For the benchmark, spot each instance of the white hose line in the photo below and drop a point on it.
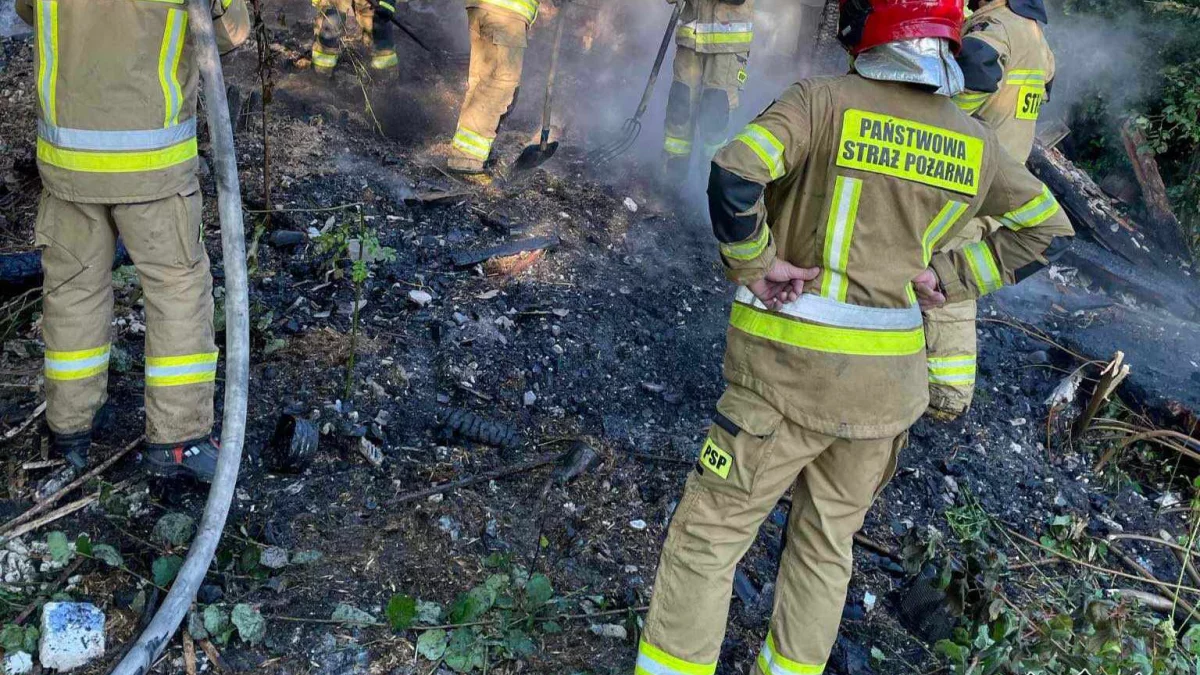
(154, 639)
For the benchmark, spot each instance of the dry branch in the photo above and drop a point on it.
(12, 433)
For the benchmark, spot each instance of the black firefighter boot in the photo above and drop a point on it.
(196, 459)
(74, 447)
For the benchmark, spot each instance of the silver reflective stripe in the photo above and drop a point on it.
(189, 369)
(62, 366)
(649, 665)
(737, 27)
(48, 44)
(89, 139)
(169, 62)
(830, 312)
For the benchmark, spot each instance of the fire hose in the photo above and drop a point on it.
(153, 640)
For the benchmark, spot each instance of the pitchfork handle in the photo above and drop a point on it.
(662, 54)
(558, 34)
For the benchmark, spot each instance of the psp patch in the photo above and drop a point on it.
(1029, 101)
(713, 458)
(910, 150)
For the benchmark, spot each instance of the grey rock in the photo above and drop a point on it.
(273, 557)
(72, 635)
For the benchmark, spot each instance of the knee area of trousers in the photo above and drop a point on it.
(714, 114)
(679, 104)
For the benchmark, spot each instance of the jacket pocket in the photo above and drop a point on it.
(893, 464)
(506, 32)
(739, 442)
(189, 226)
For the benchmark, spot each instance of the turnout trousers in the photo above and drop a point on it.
(951, 342)
(498, 41)
(704, 94)
(752, 455)
(329, 30)
(164, 238)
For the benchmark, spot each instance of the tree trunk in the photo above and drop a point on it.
(1164, 226)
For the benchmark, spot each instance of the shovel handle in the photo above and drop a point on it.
(658, 61)
(546, 108)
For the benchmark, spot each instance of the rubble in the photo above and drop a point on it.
(18, 663)
(72, 635)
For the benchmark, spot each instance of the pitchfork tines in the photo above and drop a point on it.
(629, 135)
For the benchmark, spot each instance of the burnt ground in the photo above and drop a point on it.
(614, 336)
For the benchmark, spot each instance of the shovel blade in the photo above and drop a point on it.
(535, 156)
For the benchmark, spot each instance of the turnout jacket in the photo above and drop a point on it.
(716, 26)
(863, 179)
(1008, 67)
(116, 87)
(526, 9)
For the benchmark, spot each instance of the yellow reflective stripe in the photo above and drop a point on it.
(829, 339)
(387, 5)
(740, 32)
(47, 26)
(952, 370)
(768, 148)
(748, 250)
(969, 103)
(1026, 77)
(838, 233)
(169, 371)
(116, 162)
(323, 59)
(724, 38)
(1035, 212)
(472, 143)
(983, 267)
(76, 365)
(772, 663)
(168, 65)
(224, 4)
(941, 224)
(528, 9)
(911, 293)
(677, 146)
(385, 61)
(654, 661)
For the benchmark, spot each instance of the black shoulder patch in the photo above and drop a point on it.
(1030, 9)
(980, 64)
(728, 195)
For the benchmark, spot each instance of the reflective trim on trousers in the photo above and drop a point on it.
(170, 371)
(1034, 212)
(653, 661)
(786, 330)
(384, 61)
(677, 146)
(748, 250)
(771, 663)
(168, 65)
(47, 30)
(952, 370)
(96, 140)
(819, 309)
(323, 59)
(983, 267)
(768, 148)
(838, 232)
(472, 144)
(941, 224)
(77, 365)
(115, 162)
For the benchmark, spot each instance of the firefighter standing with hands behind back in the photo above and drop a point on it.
(1007, 69)
(116, 149)
(828, 209)
(712, 52)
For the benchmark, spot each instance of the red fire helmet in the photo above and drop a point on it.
(865, 24)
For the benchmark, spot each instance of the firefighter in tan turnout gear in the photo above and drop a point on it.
(374, 23)
(1007, 67)
(116, 148)
(828, 209)
(712, 52)
(499, 35)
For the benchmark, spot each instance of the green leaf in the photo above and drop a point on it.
(432, 644)
(165, 569)
(59, 547)
(497, 583)
(518, 644)
(217, 623)
(428, 613)
(14, 638)
(465, 652)
(306, 557)
(468, 607)
(551, 628)
(174, 529)
(401, 611)
(877, 655)
(108, 555)
(350, 614)
(250, 624)
(538, 591)
(83, 545)
(195, 625)
(498, 560)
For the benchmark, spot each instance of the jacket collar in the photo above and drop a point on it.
(1034, 10)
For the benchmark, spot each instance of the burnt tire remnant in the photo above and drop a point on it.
(467, 425)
